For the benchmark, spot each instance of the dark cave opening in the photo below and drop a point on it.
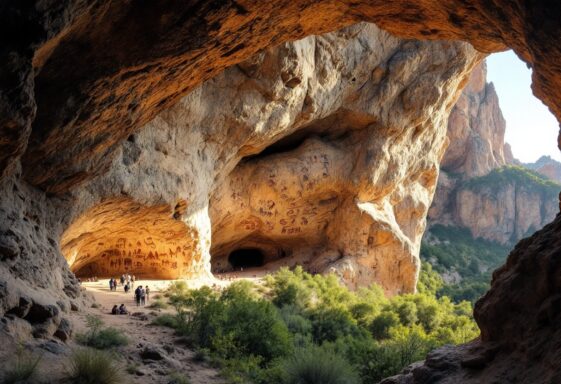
(246, 258)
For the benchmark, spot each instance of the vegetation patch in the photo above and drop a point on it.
(511, 174)
(91, 366)
(23, 368)
(456, 251)
(303, 328)
(99, 336)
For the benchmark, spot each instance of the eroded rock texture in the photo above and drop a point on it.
(476, 130)
(513, 207)
(88, 69)
(320, 152)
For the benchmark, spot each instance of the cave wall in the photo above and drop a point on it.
(92, 78)
(331, 130)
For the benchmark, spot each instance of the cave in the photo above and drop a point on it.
(245, 258)
(77, 90)
(120, 236)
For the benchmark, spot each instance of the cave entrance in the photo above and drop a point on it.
(246, 258)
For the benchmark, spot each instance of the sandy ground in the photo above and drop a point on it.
(141, 333)
(176, 354)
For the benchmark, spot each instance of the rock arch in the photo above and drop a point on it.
(80, 81)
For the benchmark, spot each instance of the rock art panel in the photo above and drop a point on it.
(120, 236)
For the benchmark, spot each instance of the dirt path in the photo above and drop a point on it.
(168, 351)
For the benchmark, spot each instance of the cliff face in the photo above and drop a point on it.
(515, 203)
(476, 130)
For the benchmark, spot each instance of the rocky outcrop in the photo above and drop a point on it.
(516, 203)
(476, 130)
(547, 167)
(285, 152)
(83, 80)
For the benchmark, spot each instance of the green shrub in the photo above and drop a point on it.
(178, 378)
(90, 366)
(166, 320)
(381, 325)
(251, 332)
(100, 338)
(23, 368)
(158, 304)
(329, 324)
(318, 365)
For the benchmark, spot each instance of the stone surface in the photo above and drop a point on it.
(87, 79)
(476, 130)
(312, 138)
(546, 166)
(64, 330)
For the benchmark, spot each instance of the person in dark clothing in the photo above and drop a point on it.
(127, 288)
(115, 310)
(111, 284)
(142, 296)
(137, 292)
(123, 310)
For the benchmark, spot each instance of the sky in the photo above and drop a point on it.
(531, 129)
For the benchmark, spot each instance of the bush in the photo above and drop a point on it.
(318, 365)
(90, 366)
(98, 337)
(158, 304)
(178, 378)
(23, 368)
(166, 320)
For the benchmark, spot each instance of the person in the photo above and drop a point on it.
(132, 281)
(123, 310)
(127, 287)
(115, 310)
(137, 295)
(142, 296)
(111, 284)
(122, 279)
(147, 293)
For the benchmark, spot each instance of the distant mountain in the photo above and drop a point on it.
(485, 200)
(546, 166)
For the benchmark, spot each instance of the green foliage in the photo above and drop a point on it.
(99, 337)
(318, 365)
(23, 368)
(166, 320)
(178, 378)
(158, 304)
(252, 332)
(522, 177)
(90, 366)
(455, 250)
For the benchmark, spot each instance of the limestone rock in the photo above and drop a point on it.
(513, 208)
(326, 145)
(64, 330)
(476, 130)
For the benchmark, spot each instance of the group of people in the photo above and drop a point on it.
(141, 295)
(119, 310)
(127, 281)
